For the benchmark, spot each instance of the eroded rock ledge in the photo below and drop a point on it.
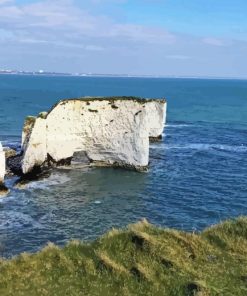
(93, 131)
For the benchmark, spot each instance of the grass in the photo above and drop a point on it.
(139, 260)
(112, 100)
(29, 123)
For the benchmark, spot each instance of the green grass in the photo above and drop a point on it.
(139, 260)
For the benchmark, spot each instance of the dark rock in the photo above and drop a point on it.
(37, 174)
(53, 163)
(3, 190)
(80, 158)
(155, 139)
(14, 164)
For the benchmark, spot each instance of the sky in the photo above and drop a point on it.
(135, 37)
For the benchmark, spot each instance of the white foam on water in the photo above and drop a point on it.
(54, 179)
(97, 202)
(6, 198)
(11, 219)
(177, 125)
(11, 142)
(47, 217)
(200, 146)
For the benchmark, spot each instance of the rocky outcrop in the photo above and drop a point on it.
(2, 164)
(10, 155)
(96, 131)
(14, 165)
(156, 116)
(3, 188)
(9, 152)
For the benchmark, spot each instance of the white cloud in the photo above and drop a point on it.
(213, 41)
(57, 35)
(62, 19)
(2, 2)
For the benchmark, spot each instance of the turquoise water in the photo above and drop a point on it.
(197, 174)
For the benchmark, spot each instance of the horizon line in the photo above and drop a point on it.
(114, 75)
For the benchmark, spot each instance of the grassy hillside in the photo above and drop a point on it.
(140, 260)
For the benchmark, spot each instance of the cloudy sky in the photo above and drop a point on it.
(157, 37)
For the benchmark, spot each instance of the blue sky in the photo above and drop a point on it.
(158, 37)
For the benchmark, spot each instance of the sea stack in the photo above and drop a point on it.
(3, 189)
(111, 131)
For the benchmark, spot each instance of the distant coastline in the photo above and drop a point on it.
(47, 73)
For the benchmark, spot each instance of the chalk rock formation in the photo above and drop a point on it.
(100, 131)
(156, 113)
(2, 164)
(3, 189)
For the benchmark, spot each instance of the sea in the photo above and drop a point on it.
(197, 175)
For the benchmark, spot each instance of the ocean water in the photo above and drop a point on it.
(197, 173)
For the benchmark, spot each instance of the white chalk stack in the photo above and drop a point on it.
(3, 189)
(106, 131)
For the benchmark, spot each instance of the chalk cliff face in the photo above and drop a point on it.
(3, 189)
(34, 143)
(2, 164)
(156, 116)
(99, 131)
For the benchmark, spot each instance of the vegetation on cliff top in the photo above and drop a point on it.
(140, 260)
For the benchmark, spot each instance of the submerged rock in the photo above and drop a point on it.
(3, 190)
(96, 131)
(36, 175)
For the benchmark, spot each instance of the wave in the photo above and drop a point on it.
(177, 125)
(199, 146)
(54, 179)
(13, 144)
(7, 143)
(10, 219)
